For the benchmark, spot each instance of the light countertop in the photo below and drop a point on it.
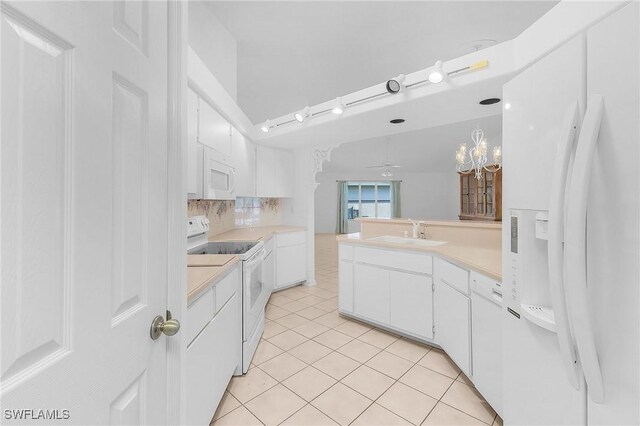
(255, 234)
(487, 261)
(199, 278)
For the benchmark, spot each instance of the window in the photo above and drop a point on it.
(369, 199)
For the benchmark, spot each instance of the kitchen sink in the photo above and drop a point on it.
(407, 241)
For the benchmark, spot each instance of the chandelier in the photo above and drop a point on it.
(475, 159)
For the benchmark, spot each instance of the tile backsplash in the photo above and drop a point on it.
(244, 212)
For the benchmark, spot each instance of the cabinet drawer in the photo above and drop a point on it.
(453, 275)
(291, 238)
(226, 288)
(269, 245)
(406, 261)
(345, 252)
(199, 314)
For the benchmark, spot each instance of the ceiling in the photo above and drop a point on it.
(292, 54)
(431, 149)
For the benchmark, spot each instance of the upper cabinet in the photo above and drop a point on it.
(213, 130)
(274, 172)
(192, 141)
(243, 156)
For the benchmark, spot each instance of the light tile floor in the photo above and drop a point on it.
(316, 367)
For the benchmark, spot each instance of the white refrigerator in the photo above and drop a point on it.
(571, 249)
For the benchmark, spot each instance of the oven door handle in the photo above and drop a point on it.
(257, 258)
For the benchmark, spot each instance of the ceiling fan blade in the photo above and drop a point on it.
(379, 166)
(395, 166)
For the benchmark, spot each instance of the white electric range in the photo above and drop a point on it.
(254, 293)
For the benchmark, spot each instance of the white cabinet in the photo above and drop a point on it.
(269, 265)
(213, 130)
(265, 172)
(453, 324)
(371, 293)
(345, 286)
(274, 172)
(212, 357)
(284, 173)
(411, 302)
(192, 142)
(390, 288)
(291, 258)
(243, 158)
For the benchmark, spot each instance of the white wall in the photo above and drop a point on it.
(424, 196)
(215, 46)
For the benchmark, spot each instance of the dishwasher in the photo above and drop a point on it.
(487, 338)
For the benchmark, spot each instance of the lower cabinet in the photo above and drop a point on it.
(411, 301)
(269, 265)
(212, 357)
(371, 293)
(388, 287)
(453, 325)
(291, 258)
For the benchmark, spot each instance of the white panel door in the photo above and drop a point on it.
(453, 324)
(84, 209)
(613, 246)
(243, 156)
(265, 172)
(193, 174)
(213, 130)
(284, 173)
(371, 293)
(411, 303)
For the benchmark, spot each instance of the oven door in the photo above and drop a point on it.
(254, 292)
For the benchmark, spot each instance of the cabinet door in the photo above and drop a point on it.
(411, 303)
(284, 173)
(265, 172)
(211, 361)
(192, 142)
(452, 321)
(345, 286)
(291, 264)
(243, 158)
(213, 130)
(371, 293)
(269, 271)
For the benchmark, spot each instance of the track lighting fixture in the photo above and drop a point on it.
(300, 116)
(395, 84)
(338, 107)
(265, 127)
(436, 74)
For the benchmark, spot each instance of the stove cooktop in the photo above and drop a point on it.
(224, 247)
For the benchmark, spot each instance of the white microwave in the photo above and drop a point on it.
(218, 177)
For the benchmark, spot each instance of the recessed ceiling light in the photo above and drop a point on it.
(397, 121)
(489, 101)
(395, 84)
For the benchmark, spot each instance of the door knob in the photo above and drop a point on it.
(159, 325)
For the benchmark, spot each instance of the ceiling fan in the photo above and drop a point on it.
(386, 165)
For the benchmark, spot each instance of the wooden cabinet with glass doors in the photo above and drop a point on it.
(481, 199)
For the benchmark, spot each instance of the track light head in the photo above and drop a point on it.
(395, 85)
(300, 116)
(338, 107)
(436, 74)
(266, 126)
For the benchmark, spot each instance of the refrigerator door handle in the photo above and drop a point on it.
(575, 248)
(555, 254)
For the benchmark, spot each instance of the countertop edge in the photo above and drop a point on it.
(422, 249)
(217, 274)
